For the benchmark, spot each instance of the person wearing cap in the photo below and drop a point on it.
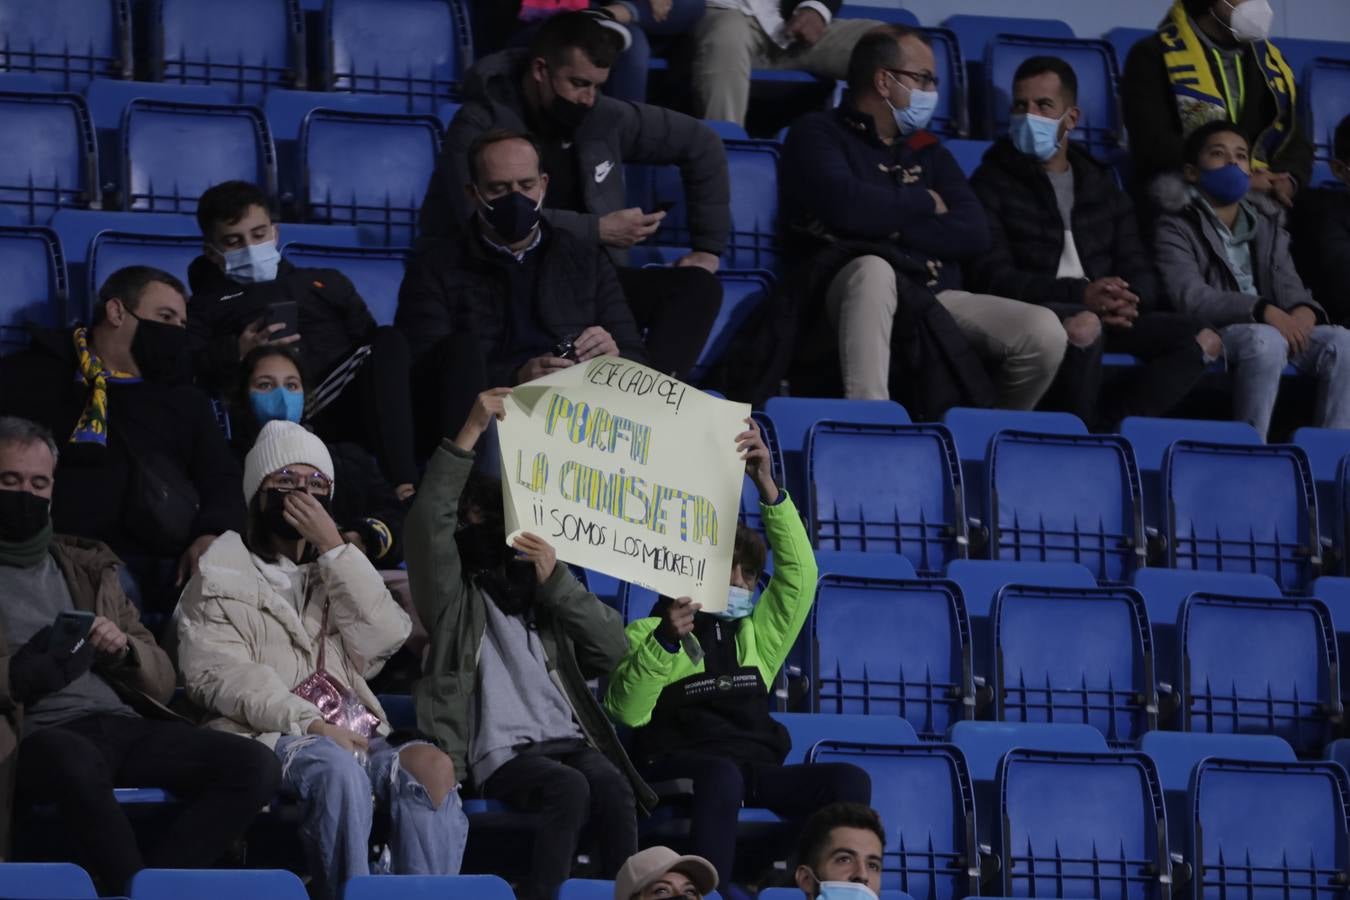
(288, 616)
(659, 873)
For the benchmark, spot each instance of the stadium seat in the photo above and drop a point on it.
(782, 893)
(249, 46)
(1251, 666)
(742, 292)
(1327, 448)
(173, 152)
(1267, 831)
(113, 250)
(808, 729)
(1326, 101)
(48, 156)
(727, 131)
(1335, 593)
(1065, 498)
(1094, 62)
(41, 881)
(951, 118)
(376, 273)
(413, 49)
(1150, 439)
(77, 228)
(35, 283)
(752, 167)
(367, 170)
(793, 417)
(893, 648)
(1300, 53)
(892, 15)
(1082, 825)
(437, 887)
(216, 884)
(750, 511)
(924, 796)
(1080, 655)
(1211, 525)
(968, 154)
(864, 565)
(66, 42)
(974, 34)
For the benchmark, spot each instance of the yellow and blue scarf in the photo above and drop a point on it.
(1201, 99)
(93, 425)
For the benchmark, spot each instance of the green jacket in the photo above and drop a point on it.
(763, 640)
(582, 637)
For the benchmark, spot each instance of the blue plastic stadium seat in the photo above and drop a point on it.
(1267, 831)
(893, 489)
(437, 887)
(173, 152)
(974, 34)
(66, 42)
(1251, 666)
(1150, 439)
(951, 118)
(750, 511)
(727, 131)
(1300, 53)
(250, 46)
(864, 565)
(1065, 498)
(808, 729)
(1079, 655)
(1325, 96)
(77, 228)
(413, 49)
(793, 417)
(1093, 61)
(924, 796)
(969, 154)
(893, 15)
(35, 283)
(1335, 593)
(368, 170)
(1327, 448)
(893, 648)
(48, 156)
(376, 273)
(1270, 528)
(216, 884)
(113, 250)
(742, 293)
(1082, 825)
(39, 881)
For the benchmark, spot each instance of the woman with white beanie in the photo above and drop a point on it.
(278, 633)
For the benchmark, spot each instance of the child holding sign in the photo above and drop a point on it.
(707, 719)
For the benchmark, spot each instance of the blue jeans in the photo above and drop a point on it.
(1258, 354)
(338, 793)
(628, 78)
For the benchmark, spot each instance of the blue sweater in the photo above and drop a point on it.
(839, 181)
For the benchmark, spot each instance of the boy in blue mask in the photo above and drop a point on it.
(695, 686)
(839, 856)
(1224, 256)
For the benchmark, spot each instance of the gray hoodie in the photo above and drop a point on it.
(1197, 273)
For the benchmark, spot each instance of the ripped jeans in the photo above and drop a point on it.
(338, 794)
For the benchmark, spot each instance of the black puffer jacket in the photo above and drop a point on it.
(1027, 231)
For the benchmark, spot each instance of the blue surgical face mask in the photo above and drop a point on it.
(740, 603)
(1035, 135)
(253, 263)
(277, 403)
(1225, 185)
(844, 890)
(916, 116)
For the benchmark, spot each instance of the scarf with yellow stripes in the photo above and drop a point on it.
(93, 372)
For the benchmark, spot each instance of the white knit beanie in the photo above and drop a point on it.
(281, 444)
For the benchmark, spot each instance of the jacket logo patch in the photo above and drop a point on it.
(602, 171)
(230, 296)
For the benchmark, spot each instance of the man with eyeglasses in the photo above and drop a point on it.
(659, 873)
(881, 218)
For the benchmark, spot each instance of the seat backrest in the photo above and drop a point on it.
(376, 273)
(1082, 825)
(892, 15)
(893, 648)
(1075, 655)
(1175, 754)
(742, 293)
(950, 119)
(173, 152)
(1268, 831)
(984, 744)
(585, 889)
(48, 155)
(1150, 438)
(1093, 61)
(414, 49)
(35, 283)
(793, 417)
(864, 565)
(368, 170)
(750, 510)
(216, 884)
(808, 729)
(924, 796)
(1326, 89)
(250, 46)
(113, 250)
(1065, 498)
(973, 429)
(1251, 666)
(1270, 529)
(892, 489)
(752, 167)
(438, 887)
(1327, 448)
(34, 881)
(66, 42)
(976, 32)
(968, 154)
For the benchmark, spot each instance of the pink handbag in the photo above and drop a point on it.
(338, 705)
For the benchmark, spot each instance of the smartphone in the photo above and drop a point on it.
(666, 206)
(287, 312)
(70, 631)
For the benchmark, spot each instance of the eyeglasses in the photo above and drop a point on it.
(924, 80)
(286, 480)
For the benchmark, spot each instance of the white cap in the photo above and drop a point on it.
(643, 869)
(281, 444)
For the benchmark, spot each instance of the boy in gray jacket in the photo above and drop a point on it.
(1224, 258)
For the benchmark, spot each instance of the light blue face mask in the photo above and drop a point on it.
(253, 263)
(277, 403)
(844, 890)
(916, 116)
(740, 603)
(1035, 135)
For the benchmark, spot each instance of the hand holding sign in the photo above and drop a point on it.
(489, 405)
(538, 551)
(678, 620)
(750, 446)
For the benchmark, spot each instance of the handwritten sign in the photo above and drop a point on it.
(628, 472)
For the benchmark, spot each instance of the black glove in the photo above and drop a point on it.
(37, 670)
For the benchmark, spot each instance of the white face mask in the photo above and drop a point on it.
(252, 263)
(1251, 21)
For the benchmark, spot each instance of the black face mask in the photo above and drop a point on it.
(512, 216)
(161, 351)
(569, 114)
(274, 514)
(511, 585)
(22, 515)
(482, 546)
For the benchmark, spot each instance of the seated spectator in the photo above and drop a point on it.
(724, 739)
(1064, 235)
(659, 873)
(551, 91)
(527, 298)
(1212, 60)
(839, 856)
(277, 636)
(1224, 258)
(1322, 234)
(144, 467)
(514, 641)
(239, 285)
(735, 36)
(83, 687)
(882, 217)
